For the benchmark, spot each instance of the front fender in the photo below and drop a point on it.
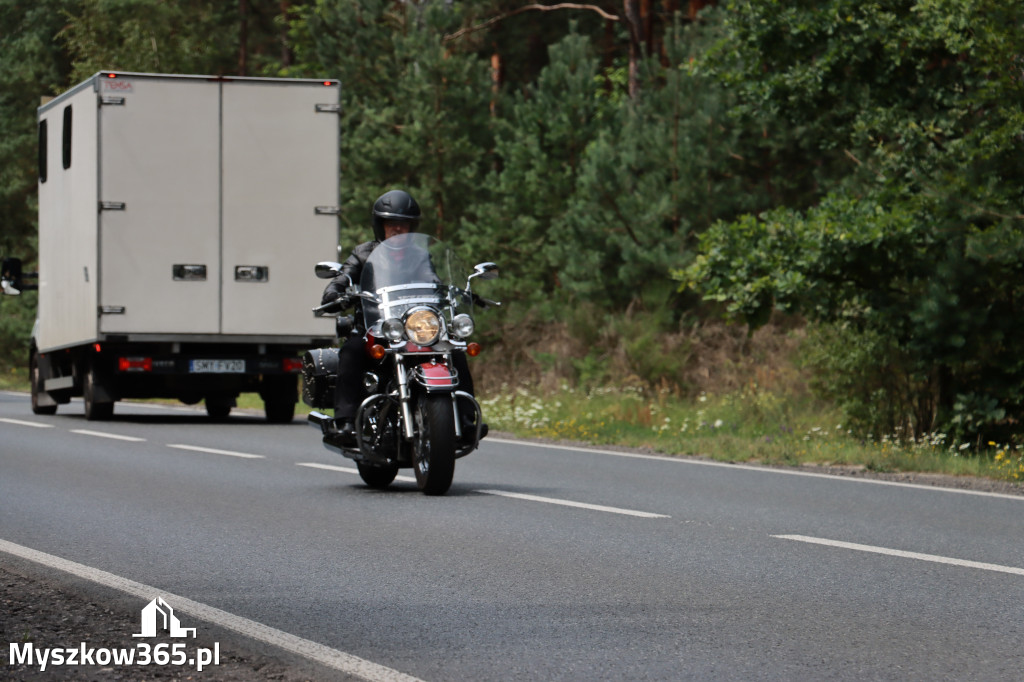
(436, 377)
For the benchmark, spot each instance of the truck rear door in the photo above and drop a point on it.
(280, 161)
(159, 191)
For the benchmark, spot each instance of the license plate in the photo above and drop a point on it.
(217, 366)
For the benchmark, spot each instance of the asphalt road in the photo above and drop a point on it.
(542, 563)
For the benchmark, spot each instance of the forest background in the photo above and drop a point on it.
(785, 205)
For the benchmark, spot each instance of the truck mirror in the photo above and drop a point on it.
(10, 276)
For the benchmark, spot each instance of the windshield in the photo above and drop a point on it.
(409, 270)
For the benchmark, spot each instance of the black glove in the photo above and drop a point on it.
(337, 305)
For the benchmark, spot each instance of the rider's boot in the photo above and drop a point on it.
(340, 431)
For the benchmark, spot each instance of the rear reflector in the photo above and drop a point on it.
(135, 364)
(292, 364)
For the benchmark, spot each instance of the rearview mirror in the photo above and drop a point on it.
(485, 271)
(327, 269)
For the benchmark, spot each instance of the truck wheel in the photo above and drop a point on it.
(377, 477)
(218, 408)
(434, 446)
(37, 388)
(279, 411)
(94, 410)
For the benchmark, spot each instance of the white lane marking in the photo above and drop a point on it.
(157, 406)
(502, 493)
(569, 503)
(332, 658)
(21, 422)
(347, 470)
(101, 434)
(906, 555)
(759, 469)
(214, 451)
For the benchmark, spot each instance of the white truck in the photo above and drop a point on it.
(178, 220)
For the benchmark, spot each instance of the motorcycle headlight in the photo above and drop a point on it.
(392, 329)
(423, 327)
(463, 326)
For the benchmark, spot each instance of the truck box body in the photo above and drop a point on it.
(183, 212)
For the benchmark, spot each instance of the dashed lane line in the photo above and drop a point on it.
(347, 470)
(22, 422)
(902, 554)
(103, 434)
(513, 495)
(324, 655)
(214, 451)
(578, 505)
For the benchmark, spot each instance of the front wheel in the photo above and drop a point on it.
(434, 447)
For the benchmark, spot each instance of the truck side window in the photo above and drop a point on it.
(42, 151)
(67, 137)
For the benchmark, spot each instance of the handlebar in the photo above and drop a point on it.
(320, 310)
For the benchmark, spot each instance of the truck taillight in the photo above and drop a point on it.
(135, 364)
(291, 364)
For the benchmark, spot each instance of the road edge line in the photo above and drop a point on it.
(319, 653)
(690, 459)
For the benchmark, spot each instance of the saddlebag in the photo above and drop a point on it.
(319, 372)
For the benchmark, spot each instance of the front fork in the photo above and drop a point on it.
(402, 375)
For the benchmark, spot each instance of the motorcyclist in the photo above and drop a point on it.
(394, 213)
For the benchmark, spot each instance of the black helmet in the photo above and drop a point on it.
(395, 205)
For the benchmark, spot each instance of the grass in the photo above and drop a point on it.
(750, 426)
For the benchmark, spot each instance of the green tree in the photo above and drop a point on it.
(416, 115)
(657, 174)
(920, 238)
(33, 64)
(190, 36)
(540, 145)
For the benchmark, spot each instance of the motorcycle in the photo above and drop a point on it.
(416, 319)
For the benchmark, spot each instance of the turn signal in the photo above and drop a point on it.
(377, 351)
(473, 349)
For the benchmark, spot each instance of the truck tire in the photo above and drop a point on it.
(37, 388)
(218, 408)
(279, 411)
(280, 394)
(94, 410)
